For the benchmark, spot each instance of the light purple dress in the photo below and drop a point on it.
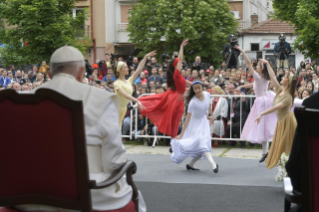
(265, 130)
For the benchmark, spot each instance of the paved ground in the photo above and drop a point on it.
(164, 197)
(232, 171)
(220, 152)
(242, 183)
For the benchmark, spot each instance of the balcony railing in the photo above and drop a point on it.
(85, 31)
(243, 25)
(122, 27)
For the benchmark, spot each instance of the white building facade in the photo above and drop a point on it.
(243, 9)
(259, 41)
(117, 14)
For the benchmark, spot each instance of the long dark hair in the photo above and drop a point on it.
(134, 94)
(264, 72)
(313, 86)
(191, 93)
(170, 76)
(291, 88)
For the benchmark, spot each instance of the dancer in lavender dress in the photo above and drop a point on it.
(265, 130)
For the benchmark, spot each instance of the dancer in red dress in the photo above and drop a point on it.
(166, 110)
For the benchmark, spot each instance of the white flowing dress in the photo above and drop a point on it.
(196, 139)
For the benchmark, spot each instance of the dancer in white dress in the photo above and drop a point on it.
(194, 140)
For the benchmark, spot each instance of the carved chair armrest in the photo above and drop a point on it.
(129, 168)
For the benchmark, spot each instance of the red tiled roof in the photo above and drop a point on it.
(270, 26)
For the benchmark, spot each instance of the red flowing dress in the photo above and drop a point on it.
(166, 110)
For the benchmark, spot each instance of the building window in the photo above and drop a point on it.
(76, 11)
(254, 46)
(84, 30)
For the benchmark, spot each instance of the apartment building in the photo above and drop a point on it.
(110, 20)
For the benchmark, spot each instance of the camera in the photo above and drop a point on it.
(282, 38)
(22, 81)
(231, 52)
(88, 68)
(129, 61)
(100, 64)
(282, 49)
(234, 42)
(165, 57)
(113, 56)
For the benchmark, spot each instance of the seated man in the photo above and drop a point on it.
(104, 146)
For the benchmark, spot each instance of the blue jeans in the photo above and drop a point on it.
(139, 132)
(126, 125)
(155, 131)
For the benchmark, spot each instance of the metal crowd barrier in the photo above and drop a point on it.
(131, 124)
(251, 97)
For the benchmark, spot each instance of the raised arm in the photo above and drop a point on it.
(250, 85)
(273, 78)
(250, 67)
(270, 110)
(181, 55)
(142, 64)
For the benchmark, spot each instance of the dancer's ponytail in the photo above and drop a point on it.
(264, 72)
(292, 87)
(170, 76)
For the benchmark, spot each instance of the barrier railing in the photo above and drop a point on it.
(231, 98)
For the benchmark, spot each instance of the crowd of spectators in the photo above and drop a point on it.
(217, 81)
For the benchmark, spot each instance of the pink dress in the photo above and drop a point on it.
(265, 130)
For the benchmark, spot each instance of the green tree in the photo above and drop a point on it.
(304, 14)
(42, 25)
(163, 24)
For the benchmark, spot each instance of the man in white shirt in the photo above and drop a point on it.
(101, 116)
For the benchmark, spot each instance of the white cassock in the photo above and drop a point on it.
(105, 149)
(297, 103)
(221, 109)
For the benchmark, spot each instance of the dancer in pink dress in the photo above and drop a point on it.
(265, 130)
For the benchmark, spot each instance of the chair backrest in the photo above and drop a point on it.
(308, 129)
(43, 156)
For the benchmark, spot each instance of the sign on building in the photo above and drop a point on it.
(270, 44)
